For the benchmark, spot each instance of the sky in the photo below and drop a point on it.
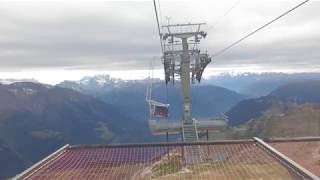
(56, 40)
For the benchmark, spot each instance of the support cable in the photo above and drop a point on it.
(253, 32)
(224, 15)
(159, 31)
(160, 13)
(158, 24)
(161, 22)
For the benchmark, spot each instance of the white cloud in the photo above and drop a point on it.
(91, 36)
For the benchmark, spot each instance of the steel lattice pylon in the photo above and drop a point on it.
(186, 62)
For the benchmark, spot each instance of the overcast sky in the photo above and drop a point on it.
(55, 40)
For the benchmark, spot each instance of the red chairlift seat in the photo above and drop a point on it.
(158, 109)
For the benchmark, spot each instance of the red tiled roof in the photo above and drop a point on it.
(237, 160)
(306, 153)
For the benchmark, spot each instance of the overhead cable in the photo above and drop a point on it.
(159, 31)
(224, 15)
(253, 32)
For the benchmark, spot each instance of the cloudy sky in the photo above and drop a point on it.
(53, 40)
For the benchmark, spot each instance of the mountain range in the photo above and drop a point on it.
(279, 99)
(258, 84)
(36, 119)
(208, 101)
(294, 121)
(291, 110)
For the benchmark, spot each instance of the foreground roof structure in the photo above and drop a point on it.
(238, 159)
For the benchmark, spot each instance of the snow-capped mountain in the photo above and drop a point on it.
(129, 96)
(101, 84)
(90, 85)
(11, 81)
(100, 80)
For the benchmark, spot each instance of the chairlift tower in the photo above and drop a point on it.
(182, 58)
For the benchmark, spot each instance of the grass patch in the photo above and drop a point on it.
(169, 166)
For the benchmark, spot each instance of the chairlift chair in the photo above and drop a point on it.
(158, 110)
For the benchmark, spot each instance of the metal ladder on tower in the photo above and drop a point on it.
(190, 133)
(193, 152)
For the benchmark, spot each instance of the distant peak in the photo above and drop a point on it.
(11, 81)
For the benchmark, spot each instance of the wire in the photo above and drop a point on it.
(159, 31)
(224, 15)
(253, 32)
(160, 13)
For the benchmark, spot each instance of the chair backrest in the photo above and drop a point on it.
(158, 110)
